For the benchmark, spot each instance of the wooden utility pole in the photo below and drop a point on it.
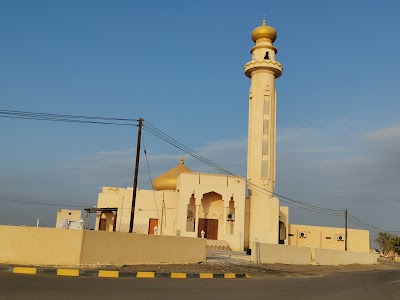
(345, 229)
(135, 178)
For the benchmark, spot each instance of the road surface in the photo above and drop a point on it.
(358, 285)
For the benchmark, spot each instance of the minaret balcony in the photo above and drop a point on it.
(270, 65)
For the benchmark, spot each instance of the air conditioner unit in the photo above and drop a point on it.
(340, 237)
(231, 217)
(303, 234)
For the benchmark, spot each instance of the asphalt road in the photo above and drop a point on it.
(358, 285)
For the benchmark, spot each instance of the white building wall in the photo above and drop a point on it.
(149, 204)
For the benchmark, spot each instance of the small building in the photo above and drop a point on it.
(329, 238)
(67, 214)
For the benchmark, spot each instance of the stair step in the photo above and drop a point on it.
(218, 245)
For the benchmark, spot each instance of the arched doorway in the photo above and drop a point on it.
(209, 215)
(282, 233)
(103, 222)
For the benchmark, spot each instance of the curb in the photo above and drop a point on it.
(116, 273)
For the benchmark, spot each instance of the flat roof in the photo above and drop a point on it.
(97, 209)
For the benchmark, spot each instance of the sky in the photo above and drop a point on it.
(179, 66)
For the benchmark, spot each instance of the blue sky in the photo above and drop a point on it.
(179, 65)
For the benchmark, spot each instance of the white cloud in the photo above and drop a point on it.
(104, 167)
(359, 169)
(116, 167)
(229, 154)
(388, 134)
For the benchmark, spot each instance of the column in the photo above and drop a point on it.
(196, 224)
(225, 219)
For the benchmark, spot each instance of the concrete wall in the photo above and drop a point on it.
(101, 247)
(264, 219)
(235, 241)
(280, 254)
(43, 246)
(284, 218)
(333, 257)
(159, 205)
(247, 224)
(54, 246)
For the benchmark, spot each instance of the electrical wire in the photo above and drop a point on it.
(13, 114)
(151, 179)
(372, 228)
(163, 136)
(40, 203)
(17, 112)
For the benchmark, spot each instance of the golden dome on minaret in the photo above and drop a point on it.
(167, 181)
(264, 33)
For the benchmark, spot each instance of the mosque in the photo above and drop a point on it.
(187, 203)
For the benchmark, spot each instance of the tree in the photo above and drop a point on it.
(396, 244)
(387, 242)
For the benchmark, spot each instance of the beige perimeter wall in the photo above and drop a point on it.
(54, 246)
(103, 247)
(334, 257)
(280, 254)
(42, 246)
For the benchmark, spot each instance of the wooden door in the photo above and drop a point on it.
(103, 224)
(210, 226)
(152, 223)
(212, 229)
(115, 224)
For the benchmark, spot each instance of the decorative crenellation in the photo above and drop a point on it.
(271, 65)
(263, 62)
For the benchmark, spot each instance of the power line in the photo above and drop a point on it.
(14, 114)
(372, 228)
(362, 226)
(165, 137)
(151, 179)
(40, 203)
(161, 135)
(17, 112)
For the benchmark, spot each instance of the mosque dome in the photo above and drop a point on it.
(167, 181)
(264, 32)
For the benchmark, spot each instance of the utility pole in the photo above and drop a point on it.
(345, 229)
(135, 178)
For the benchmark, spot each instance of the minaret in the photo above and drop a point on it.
(261, 156)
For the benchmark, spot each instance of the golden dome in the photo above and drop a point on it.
(167, 181)
(264, 32)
